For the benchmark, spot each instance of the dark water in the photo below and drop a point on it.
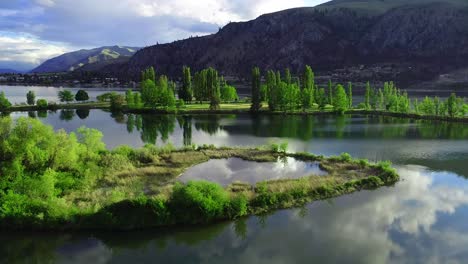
(422, 219)
(226, 171)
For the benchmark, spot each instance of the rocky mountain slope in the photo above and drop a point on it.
(354, 40)
(93, 59)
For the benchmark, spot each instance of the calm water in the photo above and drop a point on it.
(423, 219)
(17, 94)
(226, 171)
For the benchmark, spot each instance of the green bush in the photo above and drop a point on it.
(139, 212)
(237, 206)
(4, 103)
(198, 202)
(42, 103)
(346, 157)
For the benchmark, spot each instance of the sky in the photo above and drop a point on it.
(32, 31)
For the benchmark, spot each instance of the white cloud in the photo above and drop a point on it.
(27, 49)
(213, 11)
(91, 23)
(48, 3)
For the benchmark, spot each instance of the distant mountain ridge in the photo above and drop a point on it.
(9, 71)
(85, 58)
(405, 41)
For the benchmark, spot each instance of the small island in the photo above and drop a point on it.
(59, 181)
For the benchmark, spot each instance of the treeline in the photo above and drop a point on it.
(287, 93)
(64, 96)
(206, 85)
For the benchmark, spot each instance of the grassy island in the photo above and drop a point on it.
(55, 181)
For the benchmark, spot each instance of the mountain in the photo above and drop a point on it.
(8, 71)
(358, 40)
(92, 58)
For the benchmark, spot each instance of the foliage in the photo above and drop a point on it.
(198, 202)
(340, 99)
(117, 101)
(228, 93)
(31, 98)
(256, 83)
(157, 94)
(106, 97)
(81, 95)
(42, 103)
(4, 103)
(186, 91)
(66, 96)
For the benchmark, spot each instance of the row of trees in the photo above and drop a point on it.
(392, 99)
(206, 85)
(288, 93)
(156, 92)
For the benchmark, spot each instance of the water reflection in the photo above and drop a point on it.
(420, 220)
(227, 171)
(403, 141)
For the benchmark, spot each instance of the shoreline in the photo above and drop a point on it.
(184, 111)
(345, 176)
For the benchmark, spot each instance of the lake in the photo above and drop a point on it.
(422, 219)
(17, 94)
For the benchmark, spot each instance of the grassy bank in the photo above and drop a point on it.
(231, 108)
(53, 180)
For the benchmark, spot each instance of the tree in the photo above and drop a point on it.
(138, 100)
(42, 103)
(81, 95)
(212, 82)
(287, 76)
(321, 97)
(149, 93)
(350, 95)
(380, 99)
(264, 93)
(117, 101)
(65, 96)
(308, 80)
(130, 98)
(256, 103)
(272, 90)
(367, 96)
(31, 98)
(165, 96)
(330, 92)
(4, 103)
(148, 74)
(340, 100)
(228, 93)
(452, 105)
(186, 92)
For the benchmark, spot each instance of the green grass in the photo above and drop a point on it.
(141, 190)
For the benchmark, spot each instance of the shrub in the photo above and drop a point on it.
(117, 101)
(4, 103)
(81, 95)
(42, 103)
(346, 157)
(180, 104)
(31, 97)
(237, 206)
(198, 202)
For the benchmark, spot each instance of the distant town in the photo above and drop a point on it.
(64, 79)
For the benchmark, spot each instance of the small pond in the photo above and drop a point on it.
(226, 171)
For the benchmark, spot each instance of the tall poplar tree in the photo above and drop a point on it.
(256, 104)
(186, 92)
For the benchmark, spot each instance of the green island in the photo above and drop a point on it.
(207, 93)
(53, 180)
